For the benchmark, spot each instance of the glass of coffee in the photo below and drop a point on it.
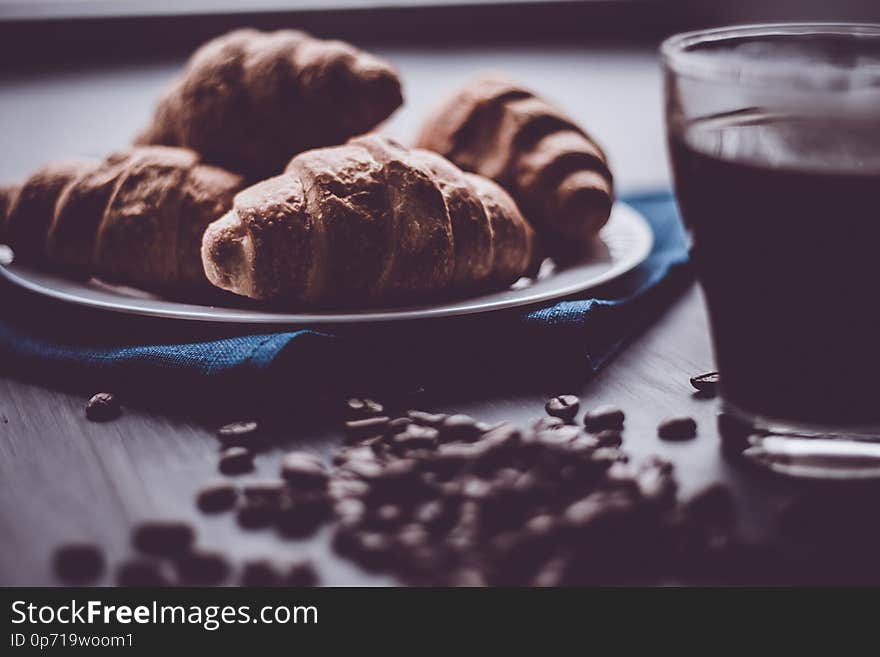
(774, 138)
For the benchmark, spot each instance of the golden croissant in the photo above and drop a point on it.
(248, 101)
(136, 217)
(367, 222)
(556, 172)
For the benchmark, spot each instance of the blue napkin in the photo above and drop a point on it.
(56, 344)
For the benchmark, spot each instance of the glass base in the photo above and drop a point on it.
(764, 424)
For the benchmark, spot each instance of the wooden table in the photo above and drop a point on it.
(62, 477)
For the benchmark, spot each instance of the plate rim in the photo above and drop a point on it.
(621, 211)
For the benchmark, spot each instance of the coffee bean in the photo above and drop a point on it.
(604, 417)
(541, 525)
(551, 574)
(103, 407)
(341, 489)
(78, 563)
(416, 437)
(372, 550)
(367, 428)
(389, 515)
(564, 407)
(432, 513)
(165, 538)
(239, 434)
(655, 481)
(706, 383)
(142, 572)
(303, 471)
(270, 491)
(256, 514)
(301, 574)
(357, 408)
(202, 568)
(236, 460)
(677, 428)
(397, 425)
(426, 419)
(367, 469)
(217, 497)
(609, 438)
(302, 515)
(412, 536)
(609, 455)
(350, 511)
(560, 435)
(549, 422)
(260, 573)
(458, 427)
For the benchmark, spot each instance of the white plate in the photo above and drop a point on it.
(624, 243)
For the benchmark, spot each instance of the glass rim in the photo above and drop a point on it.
(679, 56)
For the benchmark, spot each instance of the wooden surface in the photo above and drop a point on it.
(62, 477)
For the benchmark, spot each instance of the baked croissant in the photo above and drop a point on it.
(248, 100)
(555, 171)
(367, 222)
(136, 217)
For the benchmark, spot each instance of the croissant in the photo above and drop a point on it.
(248, 100)
(555, 171)
(367, 222)
(136, 217)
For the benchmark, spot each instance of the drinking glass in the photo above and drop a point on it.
(774, 140)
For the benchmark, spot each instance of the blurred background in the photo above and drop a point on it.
(79, 77)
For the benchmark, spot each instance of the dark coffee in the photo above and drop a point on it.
(785, 215)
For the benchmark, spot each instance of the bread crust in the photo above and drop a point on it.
(364, 223)
(555, 171)
(248, 100)
(135, 218)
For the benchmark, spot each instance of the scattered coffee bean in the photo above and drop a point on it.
(426, 419)
(677, 428)
(301, 574)
(79, 563)
(565, 433)
(565, 407)
(416, 437)
(397, 425)
(357, 407)
(458, 427)
(655, 481)
(549, 422)
(604, 417)
(609, 438)
(236, 460)
(261, 573)
(142, 572)
(350, 511)
(302, 515)
(256, 514)
(202, 568)
(706, 384)
(217, 497)
(103, 407)
(303, 471)
(239, 434)
(166, 538)
(270, 491)
(356, 430)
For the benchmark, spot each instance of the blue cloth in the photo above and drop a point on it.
(57, 344)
